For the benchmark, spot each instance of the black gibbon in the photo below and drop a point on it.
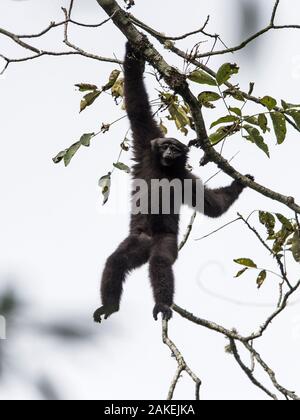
(153, 238)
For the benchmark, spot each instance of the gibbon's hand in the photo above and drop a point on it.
(165, 310)
(251, 177)
(107, 311)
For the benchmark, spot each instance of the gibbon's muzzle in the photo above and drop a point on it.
(168, 155)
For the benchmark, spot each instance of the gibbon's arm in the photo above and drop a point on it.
(216, 201)
(138, 108)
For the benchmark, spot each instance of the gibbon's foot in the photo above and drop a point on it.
(107, 311)
(165, 310)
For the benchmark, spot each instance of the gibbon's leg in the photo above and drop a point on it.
(132, 253)
(163, 255)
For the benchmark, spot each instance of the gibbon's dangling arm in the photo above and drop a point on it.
(217, 201)
(138, 108)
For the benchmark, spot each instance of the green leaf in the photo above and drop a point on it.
(206, 97)
(285, 222)
(86, 139)
(223, 120)
(236, 111)
(269, 102)
(70, 153)
(246, 262)
(163, 128)
(268, 220)
(263, 122)
(225, 72)
(286, 105)
(256, 138)
(117, 89)
(179, 115)
(85, 87)
(241, 272)
(60, 156)
(105, 185)
(200, 76)
(122, 167)
(112, 80)
(235, 93)
(219, 135)
(252, 120)
(279, 124)
(261, 278)
(296, 116)
(89, 99)
(296, 246)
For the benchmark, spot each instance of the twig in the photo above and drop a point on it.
(207, 324)
(285, 392)
(173, 38)
(188, 232)
(57, 54)
(182, 365)
(248, 372)
(19, 41)
(218, 230)
(279, 310)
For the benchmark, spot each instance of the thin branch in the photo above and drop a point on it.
(275, 8)
(53, 25)
(188, 232)
(66, 39)
(182, 365)
(218, 230)
(248, 371)
(174, 38)
(279, 310)
(285, 392)
(57, 54)
(174, 383)
(19, 41)
(207, 324)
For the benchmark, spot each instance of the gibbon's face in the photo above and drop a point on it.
(170, 151)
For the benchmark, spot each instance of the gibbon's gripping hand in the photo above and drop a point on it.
(107, 311)
(251, 177)
(242, 186)
(133, 60)
(165, 310)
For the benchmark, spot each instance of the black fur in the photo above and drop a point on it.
(153, 238)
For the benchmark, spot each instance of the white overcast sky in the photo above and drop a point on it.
(55, 236)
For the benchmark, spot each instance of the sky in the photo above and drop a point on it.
(56, 236)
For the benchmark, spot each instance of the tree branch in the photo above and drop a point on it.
(269, 321)
(248, 371)
(182, 365)
(18, 41)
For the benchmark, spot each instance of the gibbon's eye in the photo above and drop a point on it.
(164, 147)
